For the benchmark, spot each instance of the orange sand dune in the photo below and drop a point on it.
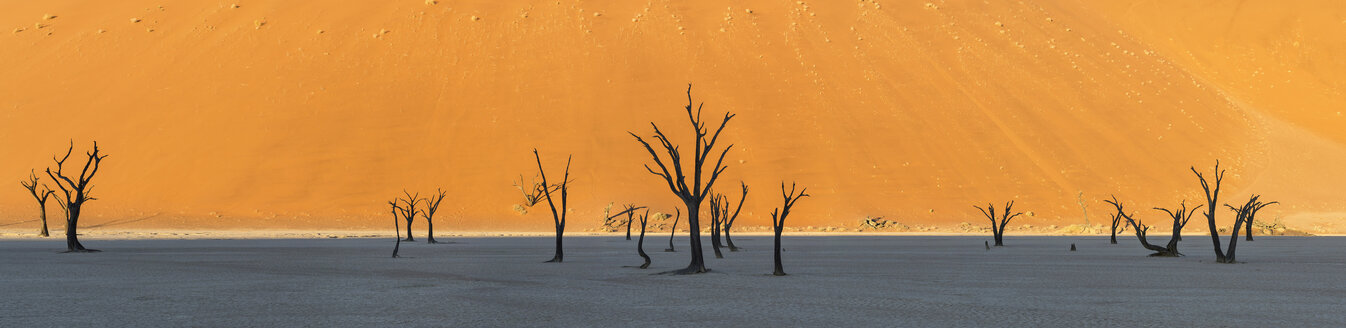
(296, 114)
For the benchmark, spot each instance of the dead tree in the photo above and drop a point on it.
(692, 195)
(558, 217)
(397, 229)
(630, 213)
(41, 198)
(998, 225)
(431, 205)
(1079, 199)
(77, 191)
(1250, 211)
(1141, 231)
(1212, 200)
(610, 221)
(717, 210)
(532, 191)
(1180, 218)
(640, 245)
(1243, 215)
(778, 221)
(673, 231)
(729, 223)
(1117, 226)
(410, 211)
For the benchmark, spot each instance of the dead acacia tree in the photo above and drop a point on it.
(674, 230)
(716, 218)
(729, 223)
(410, 210)
(1249, 210)
(397, 229)
(77, 191)
(778, 219)
(998, 225)
(630, 213)
(640, 245)
(532, 191)
(1212, 200)
(1117, 226)
(1243, 215)
(558, 217)
(431, 205)
(610, 221)
(1180, 218)
(1171, 249)
(692, 195)
(41, 198)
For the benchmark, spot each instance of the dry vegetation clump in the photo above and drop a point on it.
(881, 224)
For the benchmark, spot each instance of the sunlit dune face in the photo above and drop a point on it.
(310, 114)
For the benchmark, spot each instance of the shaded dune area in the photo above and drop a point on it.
(312, 114)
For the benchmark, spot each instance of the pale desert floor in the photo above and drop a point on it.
(835, 281)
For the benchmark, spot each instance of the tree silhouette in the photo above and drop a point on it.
(397, 228)
(778, 221)
(76, 192)
(729, 223)
(630, 214)
(1243, 215)
(716, 218)
(640, 245)
(1117, 226)
(431, 205)
(41, 197)
(692, 195)
(674, 230)
(1212, 200)
(558, 218)
(998, 225)
(411, 201)
(532, 191)
(1179, 220)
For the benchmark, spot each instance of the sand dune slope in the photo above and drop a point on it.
(282, 114)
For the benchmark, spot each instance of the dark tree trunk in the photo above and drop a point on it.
(1249, 234)
(640, 245)
(780, 270)
(409, 238)
(560, 254)
(628, 224)
(729, 241)
(673, 232)
(72, 243)
(44, 232)
(698, 264)
(715, 236)
(1233, 242)
(397, 231)
(430, 232)
(729, 221)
